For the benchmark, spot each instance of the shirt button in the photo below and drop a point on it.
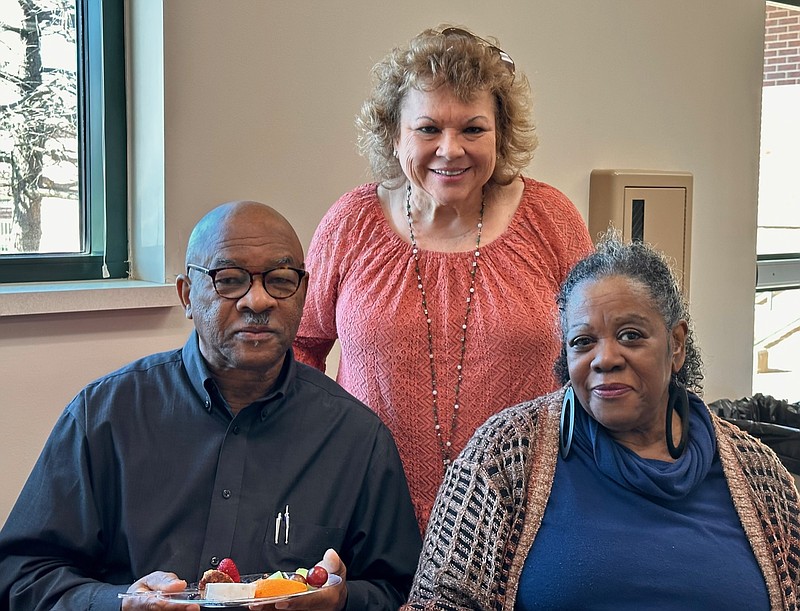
(208, 404)
(226, 494)
(236, 430)
(214, 561)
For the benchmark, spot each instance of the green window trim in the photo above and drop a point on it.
(102, 154)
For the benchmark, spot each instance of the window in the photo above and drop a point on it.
(63, 174)
(776, 344)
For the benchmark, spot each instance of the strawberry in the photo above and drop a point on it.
(228, 567)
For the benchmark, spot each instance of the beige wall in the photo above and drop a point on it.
(258, 102)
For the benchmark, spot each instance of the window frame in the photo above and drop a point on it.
(102, 154)
(778, 271)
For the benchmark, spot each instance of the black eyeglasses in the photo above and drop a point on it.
(235, 282)
(504, 57)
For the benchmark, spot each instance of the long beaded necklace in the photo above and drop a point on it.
(445, 444)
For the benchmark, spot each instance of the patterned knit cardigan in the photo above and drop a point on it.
(491, 503)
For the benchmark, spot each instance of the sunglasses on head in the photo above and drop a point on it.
(504, 57)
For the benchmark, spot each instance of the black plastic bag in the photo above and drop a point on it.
(773, 421)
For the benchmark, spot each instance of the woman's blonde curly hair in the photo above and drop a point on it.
(465, 64)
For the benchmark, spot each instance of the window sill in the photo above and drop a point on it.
(93, 295)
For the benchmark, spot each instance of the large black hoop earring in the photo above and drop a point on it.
(678, 400)
(567, 427)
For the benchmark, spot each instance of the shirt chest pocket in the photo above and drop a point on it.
(301, 544)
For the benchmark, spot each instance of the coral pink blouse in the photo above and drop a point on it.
(363, 291)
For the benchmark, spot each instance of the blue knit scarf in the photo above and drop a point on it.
(659, 479)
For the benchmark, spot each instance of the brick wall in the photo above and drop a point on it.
(782, 46)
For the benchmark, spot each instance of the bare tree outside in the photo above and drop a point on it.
(38, 126)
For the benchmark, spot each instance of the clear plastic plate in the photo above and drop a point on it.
(192, 596)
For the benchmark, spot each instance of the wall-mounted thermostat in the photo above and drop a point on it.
(646, 205)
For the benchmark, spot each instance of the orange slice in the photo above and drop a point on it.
(266, 588)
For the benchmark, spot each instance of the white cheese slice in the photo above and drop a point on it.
(230, 591)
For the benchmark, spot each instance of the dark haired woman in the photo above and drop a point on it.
(621, 490)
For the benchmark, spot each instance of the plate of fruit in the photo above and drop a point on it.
(224, 587)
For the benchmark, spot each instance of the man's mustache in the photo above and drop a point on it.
(256, 319)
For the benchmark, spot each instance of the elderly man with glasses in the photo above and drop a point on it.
(226, 448)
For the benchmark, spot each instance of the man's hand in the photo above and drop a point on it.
(157, 581)
(332, 598)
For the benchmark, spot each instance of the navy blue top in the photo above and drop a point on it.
(622, 532)
(148, 470)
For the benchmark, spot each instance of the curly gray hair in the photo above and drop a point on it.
(647, 266)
